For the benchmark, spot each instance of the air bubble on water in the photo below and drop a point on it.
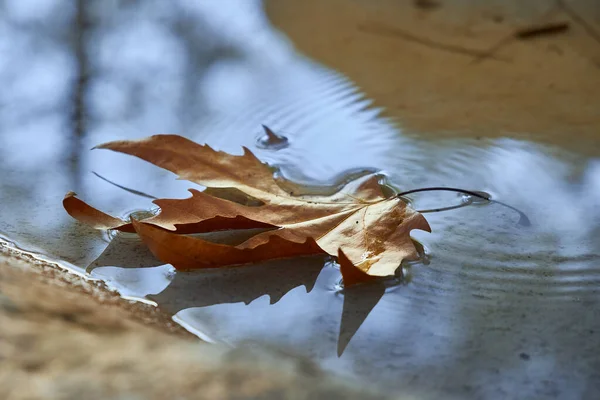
(141, 214)
(271, 140)
(135, 214)
(382, 177)
(469, 199)
(155, 210)
(111, 234)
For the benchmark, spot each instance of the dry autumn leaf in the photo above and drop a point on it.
(371, 230)
(187, 252)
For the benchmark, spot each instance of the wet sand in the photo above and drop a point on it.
(454, 68)
(62, 337)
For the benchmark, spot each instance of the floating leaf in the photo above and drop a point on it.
(371, 230)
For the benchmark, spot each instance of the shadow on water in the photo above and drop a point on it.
(244, 284)
(498, 310)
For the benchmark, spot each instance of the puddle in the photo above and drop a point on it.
(496, 308)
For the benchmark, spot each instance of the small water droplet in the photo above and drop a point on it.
(272, 141)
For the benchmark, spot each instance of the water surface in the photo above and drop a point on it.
(495, 309)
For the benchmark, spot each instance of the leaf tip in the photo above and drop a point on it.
(424, 224)
(247, 151)
(69, 195)
(107, 145)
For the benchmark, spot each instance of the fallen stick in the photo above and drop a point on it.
(540, 30)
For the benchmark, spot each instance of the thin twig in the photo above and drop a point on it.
(541, 29)
(523, 219)
(507, 39)
(136, 192)
(396, 32)
(444, 208)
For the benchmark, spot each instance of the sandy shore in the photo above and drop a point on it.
(62, 337)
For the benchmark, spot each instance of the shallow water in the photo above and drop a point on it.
(495, 309)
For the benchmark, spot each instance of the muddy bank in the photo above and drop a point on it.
(64, 338)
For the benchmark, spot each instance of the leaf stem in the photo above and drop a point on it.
(523, 219)
(136, 192)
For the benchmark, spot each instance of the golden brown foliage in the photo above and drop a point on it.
(371, 230)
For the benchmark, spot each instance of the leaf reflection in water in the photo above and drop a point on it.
(209, 287)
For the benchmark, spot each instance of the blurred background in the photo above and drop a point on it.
(501, 96)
